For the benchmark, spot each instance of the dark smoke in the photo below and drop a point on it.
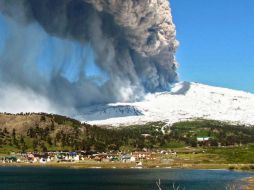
(133, 42)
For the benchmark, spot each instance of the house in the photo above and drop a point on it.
(128, 158)
(146, 135)
(143, 155)
(10, 159)
(43, 160)
(32, 158)
(203, 139)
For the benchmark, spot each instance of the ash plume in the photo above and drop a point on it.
(133, 43)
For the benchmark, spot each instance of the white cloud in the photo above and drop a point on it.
(13, 99)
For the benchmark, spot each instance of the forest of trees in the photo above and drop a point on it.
(55, 132)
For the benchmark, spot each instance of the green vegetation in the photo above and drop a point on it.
(54, 132)
(221, 133)
(45, 132)
(234, 155)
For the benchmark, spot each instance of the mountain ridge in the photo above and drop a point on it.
(185, 101)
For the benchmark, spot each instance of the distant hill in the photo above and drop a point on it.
(46, 132)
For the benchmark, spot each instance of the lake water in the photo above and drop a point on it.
(12, 178)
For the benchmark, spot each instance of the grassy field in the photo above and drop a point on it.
(240, 158)
(225, 155)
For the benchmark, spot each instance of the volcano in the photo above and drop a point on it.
(186, 101)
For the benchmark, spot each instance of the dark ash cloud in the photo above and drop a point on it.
(134, 42)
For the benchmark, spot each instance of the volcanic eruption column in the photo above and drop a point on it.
(133, 41)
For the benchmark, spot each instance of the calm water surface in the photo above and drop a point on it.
(98, 179)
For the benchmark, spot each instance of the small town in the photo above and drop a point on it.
(136, 157)
(179, 157)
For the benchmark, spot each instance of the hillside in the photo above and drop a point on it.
(34, 131)
(46, 132)
(43, 132)
(186, 101)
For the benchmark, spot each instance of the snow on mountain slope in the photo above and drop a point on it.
(185, 101)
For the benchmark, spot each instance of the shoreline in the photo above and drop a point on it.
(120, 165)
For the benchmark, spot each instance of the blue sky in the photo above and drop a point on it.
(217, 42)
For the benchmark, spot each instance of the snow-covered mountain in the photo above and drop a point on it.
(184, 102)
